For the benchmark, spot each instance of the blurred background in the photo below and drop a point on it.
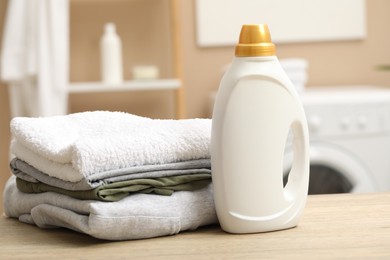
(164, 34)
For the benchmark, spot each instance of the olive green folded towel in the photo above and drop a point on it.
(118, 190)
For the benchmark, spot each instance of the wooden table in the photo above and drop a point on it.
(333, 226)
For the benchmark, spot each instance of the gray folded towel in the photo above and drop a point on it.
(29, 173)
(134, 217)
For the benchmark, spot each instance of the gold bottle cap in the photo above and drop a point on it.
(255, 40)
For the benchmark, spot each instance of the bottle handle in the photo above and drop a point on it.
(298, 179)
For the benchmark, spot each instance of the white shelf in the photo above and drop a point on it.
(132, 85)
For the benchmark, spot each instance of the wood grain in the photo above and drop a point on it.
(333, 226)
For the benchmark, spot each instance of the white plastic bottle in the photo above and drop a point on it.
(255, 108)
(111, 55)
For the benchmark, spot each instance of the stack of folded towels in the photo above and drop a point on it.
(111, 175)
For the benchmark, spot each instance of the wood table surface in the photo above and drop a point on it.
(338, 226)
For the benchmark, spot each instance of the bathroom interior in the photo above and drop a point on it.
(172, 37)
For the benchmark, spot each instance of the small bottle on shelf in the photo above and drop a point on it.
(111, 56)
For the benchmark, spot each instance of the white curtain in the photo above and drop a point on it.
(35, 56)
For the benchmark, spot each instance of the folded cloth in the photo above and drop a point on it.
(80, 145)
(28, 173)
(118, 190)
(134, 217)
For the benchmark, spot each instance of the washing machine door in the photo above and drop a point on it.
(333, 170)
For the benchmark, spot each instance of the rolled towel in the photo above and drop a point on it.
(79, 145)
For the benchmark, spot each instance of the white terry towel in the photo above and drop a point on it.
(35, 56)
(135, 217)
(76, 146)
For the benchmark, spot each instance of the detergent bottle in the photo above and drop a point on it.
(256, 108)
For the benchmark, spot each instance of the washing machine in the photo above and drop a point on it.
(349, 139)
